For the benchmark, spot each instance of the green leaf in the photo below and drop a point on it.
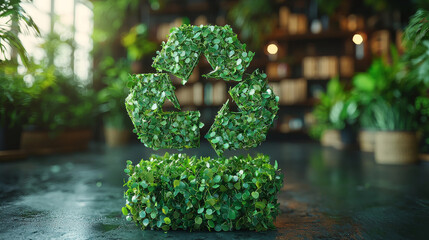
(124, 211)
(210, 223)
(260, 205)
(176, 183)
(200, 210)
(212, 202)
(232, 215)
(142, 214)
(167, 220)
(255, 195)
(198, 220)
(146, 222)
(216, 179)
(209, 211)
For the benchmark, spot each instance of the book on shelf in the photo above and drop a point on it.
(276, 70)
(297, 23)
(347, 66)
(293, 91)
(323, 67)
(219, 93)
(284, 13)
(198, 93)
(185, 95)
(276, 88)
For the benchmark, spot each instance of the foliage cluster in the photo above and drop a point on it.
(257, 103)
(386, 97)
(181, 192)
(16, 20)
(258, 106)
(416, 38)
(15, 96)
(226, 55)
(111, 97)
(155, 128)
(65, 102)
(336, 110)
(255, 19)
(136, 42)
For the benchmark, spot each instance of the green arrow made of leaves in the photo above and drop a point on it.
(155, 128)
(247, 128)
(228, 57)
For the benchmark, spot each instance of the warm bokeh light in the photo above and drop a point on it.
(272, 48)
(357, 39)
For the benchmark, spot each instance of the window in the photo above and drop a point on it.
(71, 21)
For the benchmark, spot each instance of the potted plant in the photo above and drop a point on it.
(61, 116)
(422, 106)
(416, 55)
(343, 116)
(368, 86)
(388, 102)
(117, 128)
(335, 114)
(15, 98)
(396, 114)
(15, 95)
(396, 139)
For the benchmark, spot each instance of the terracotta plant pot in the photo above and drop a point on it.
(116, 137)
(366, 140)
(395, 147)
(331, 138)
(45, 142)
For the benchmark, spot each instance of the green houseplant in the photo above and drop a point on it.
(61, 116)
(398, 117)
(395, 140)
(422, 105)
(336, 115)
(390, 94)
(116, 124)
(15, 95)
(416, 40)
(378, 81)
(15, 98)
(16, 21)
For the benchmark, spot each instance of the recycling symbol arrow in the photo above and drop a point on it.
(228, 57)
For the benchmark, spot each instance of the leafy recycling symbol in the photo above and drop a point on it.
(257, 103)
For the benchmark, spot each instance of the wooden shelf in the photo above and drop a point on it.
(285, 36)
(180, 8)
(308, 103)
(8, 155)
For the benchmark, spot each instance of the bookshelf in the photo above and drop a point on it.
(298, 72)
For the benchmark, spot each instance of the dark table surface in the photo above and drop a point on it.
(328, 194)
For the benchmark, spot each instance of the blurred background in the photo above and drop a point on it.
(344, 70)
